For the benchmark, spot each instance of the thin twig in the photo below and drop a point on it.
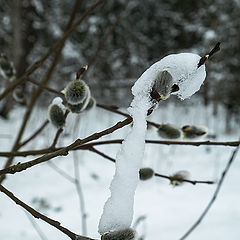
(194, 182)
(45, 88)
(233, 156)
(35, 134)
(119, 141)
(92, 149)
(38, 215)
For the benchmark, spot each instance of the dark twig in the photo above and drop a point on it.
(38, 215)
(233, 156)
(92, 149)
(119, 141)
(45, 87)
(35, 134)
(194, 182)
(208, 55)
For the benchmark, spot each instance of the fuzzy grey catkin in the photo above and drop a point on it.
(78, 108)
(163, 84)
(146, 173)
(193, 131)
(169, 131)
(178, 177)
(56, 115)
(125, 234)
(76, 92)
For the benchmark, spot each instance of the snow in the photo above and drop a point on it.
(118, 209)
(184, 70)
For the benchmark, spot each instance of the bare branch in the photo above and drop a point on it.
(38, 215)
(119, 141)
(194, 182)
(35, 134)
(233, 156)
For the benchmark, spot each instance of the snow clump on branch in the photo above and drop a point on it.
(182, 77)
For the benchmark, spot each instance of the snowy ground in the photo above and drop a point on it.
(168, 211)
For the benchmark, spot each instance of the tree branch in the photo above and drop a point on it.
(194, 182)
(46, 219)
(35, 134)
(119, 141)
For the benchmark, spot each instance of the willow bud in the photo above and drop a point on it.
(163, 84)
(76, 92)
(177, 178)
(56, 114)
(169, 131)
(193, 131)
(146, 173)
(78, 108)
(125, 234)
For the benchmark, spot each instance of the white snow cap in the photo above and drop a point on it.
(185, 72)
(118, 210)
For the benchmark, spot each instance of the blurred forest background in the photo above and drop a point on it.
(120, 40)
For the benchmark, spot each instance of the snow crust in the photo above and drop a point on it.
(118, 210)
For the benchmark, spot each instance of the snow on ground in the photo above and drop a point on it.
(169, 211)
